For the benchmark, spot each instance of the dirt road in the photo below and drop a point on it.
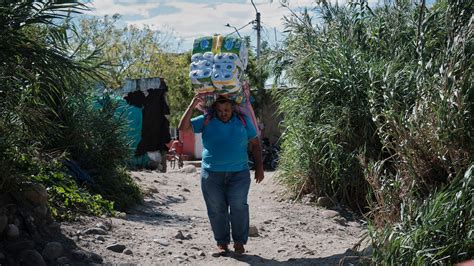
(171, 227)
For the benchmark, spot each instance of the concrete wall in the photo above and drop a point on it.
(271, 120)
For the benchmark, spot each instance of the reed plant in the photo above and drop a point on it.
(381, 117)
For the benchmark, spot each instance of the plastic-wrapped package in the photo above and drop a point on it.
(217, 66)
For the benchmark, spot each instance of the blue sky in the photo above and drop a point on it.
(189, 19)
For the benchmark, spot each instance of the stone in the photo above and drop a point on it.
(121, 215)
(201, 253)
(161, 241)
(31, 257)
(179, 235)
(329, 213)
(188, 169)
(186, 190)
(308, 199)
(20, 245)
(78, 254)
(36, 194)
(94, 231)
(63, 260)
(119, 248)
(281, 249)
(267, 222)
(179, 258)
(102, 226)
(127, 251)
(17, 222)
(340, 220)
(30, 226)
(3, 222)
(309, 252)
(354, 224)
(325, 202)
(96, 257)
(13, 232)
(52, 250)
(253, 231)
(41, 210)
(100, 238)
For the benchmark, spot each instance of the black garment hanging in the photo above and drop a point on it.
(155, 132)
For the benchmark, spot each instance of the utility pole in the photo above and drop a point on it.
(258, 35)
(258, 28)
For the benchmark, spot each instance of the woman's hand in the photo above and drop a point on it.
(197, 99)
(259, 174)
(185, 122)
(256, 149)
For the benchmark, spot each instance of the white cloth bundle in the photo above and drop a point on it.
(143, 84)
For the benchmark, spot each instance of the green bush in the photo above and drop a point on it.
(66, 198)
(94, 135)
(46, 115)
(440, 230)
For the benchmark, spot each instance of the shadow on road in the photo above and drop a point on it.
(347, 258)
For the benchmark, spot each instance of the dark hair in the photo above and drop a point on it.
(223, 99)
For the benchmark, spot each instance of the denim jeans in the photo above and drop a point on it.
(225, 194)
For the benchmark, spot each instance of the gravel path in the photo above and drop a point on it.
(171, 227)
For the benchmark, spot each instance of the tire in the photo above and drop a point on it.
(251, 165)
(274, 163)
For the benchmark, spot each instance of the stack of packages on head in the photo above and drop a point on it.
(217, 67)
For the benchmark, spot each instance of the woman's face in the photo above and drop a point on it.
(224, 111)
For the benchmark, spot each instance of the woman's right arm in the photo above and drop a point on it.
(185, 122)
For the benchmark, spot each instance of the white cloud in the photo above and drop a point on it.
(200, 19)
(108, 7)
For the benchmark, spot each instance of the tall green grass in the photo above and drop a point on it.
(381, 117)
(328, 125)
(436, 230)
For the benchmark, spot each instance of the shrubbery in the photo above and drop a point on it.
(46, 116)
(381, 116)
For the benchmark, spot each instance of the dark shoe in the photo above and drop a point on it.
(222, 250)
(239, 248)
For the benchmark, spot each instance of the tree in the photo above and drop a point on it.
(134, 52)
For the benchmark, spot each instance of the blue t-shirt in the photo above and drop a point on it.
(224, 144)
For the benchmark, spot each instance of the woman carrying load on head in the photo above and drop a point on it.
(225, 175)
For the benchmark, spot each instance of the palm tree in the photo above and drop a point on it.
(38, 70)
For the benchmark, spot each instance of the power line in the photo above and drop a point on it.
(237, 30)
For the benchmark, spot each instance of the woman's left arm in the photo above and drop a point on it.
(257, 155)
